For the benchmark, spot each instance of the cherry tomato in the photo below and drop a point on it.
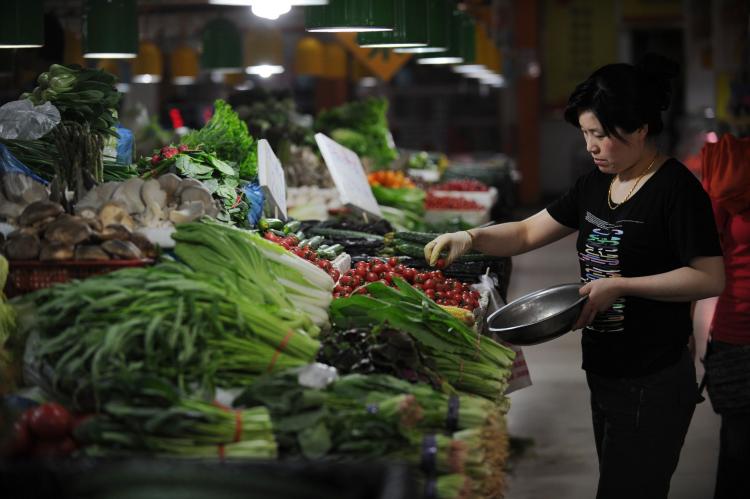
(346, 280)
(440, 264)
(379, 268)
(430, 293)
(429, 284)
(361, 272)
(372, 277)
(392, 261)
(50, 421)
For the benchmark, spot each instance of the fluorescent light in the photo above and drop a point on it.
(146, 78)
(441, 60)
(347, 29)
(19, 46)
(271, 9)
(469, 69)
(264, 70)
(109, 55)
(183, 80)
(250, 3)
(391, 45)
(419, 50)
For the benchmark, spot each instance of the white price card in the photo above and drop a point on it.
(348, 175)
(271, 179)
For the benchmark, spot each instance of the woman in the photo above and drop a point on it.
(726, 177)
(647, 247)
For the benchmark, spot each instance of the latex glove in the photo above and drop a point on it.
(457, 243)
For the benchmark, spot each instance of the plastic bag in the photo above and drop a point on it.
(10, 164)
(255, 197)
(22, 120)
(519, 373)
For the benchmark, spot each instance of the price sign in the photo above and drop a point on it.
(348, 175)
(271, 178)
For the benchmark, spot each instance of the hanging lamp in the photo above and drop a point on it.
(222, 47)
(410, 28)
(454, 53)
(110, 30)
(184, 65)
(482, 60)
(148, 66)
(438, 22)
(264, 52)
(308, 57)
(334, 61)
(21, 24)
(350, 16)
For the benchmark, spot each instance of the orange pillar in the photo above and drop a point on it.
(527, 87)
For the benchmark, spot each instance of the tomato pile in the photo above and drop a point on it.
(434, 202)
(467, 185)
(44, 431)
(433, 283)
(290, 243)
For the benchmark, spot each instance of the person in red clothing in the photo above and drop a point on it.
(726, 177)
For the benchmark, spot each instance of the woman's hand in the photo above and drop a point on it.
(457, 244)
(602, 293)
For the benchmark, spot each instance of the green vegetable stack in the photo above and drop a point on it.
(150, 417)
(458, 354)
(362, 127)
(226, 135)
(378, 416)
(195, 330)
(82, 95)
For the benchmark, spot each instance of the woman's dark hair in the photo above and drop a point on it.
(625, 96)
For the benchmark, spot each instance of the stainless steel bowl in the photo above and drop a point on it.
(539, 316)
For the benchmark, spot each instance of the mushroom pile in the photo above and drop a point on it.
(148, 203)
(47, 233)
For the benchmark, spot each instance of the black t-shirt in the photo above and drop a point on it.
(662, 227)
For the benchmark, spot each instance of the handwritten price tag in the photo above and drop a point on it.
(348, 175)
(271, 178)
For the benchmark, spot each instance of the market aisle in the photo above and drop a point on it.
(554, 411)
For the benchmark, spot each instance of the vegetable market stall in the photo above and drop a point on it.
(307, 347)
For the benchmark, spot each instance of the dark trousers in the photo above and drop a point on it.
(733, 474)
(639, 427)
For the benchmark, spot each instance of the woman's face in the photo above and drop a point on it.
(611, 155)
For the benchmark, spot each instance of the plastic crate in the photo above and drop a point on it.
(25, 276)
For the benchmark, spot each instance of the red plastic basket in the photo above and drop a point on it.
(25, 276)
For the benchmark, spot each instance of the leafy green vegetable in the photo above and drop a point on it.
(226, 135)
(361, 126)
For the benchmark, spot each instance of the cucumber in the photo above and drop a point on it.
(270, 223)
(415, 237)
(292, 227)
(316, 241)
(343, 234)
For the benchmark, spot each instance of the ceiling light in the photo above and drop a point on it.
(21, 24)
(347, 16)
(410, 28)
(110, 30)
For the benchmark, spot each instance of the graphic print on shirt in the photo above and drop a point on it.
(601, 259)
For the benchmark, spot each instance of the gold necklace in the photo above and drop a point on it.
(612, 204)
